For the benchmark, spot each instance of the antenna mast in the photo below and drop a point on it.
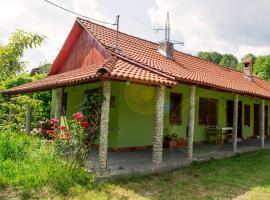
(167, 28)
(117, 32)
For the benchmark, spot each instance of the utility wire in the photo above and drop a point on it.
(70, 11)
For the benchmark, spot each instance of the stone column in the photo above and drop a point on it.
(104, 125)
(235, 121)
(262, 121)
(28, 119)
(158, 135)
(191, 121)
(58, 103)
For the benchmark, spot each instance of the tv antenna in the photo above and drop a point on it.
(167, 30)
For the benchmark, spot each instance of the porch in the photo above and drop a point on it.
(140, 162)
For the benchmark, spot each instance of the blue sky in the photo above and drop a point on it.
(227, 26)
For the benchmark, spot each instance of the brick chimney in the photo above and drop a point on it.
(248, 65)
(166, 49)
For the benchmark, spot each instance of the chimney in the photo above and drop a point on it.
(248, 64)
(166, 49)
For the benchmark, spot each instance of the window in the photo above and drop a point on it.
(247, 115)
(175, 108)
(207, 111)
(64, 104)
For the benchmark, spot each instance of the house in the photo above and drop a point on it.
(152, 90)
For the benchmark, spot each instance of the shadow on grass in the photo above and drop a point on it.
(238, 177)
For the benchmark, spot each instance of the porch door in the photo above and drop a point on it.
(266, 120)
(256, 126)
(230, 117)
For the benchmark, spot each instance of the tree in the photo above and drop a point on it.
(218, 58)
(40, 102)
(11, 53)
(229, 60)
(250, 55)
(205, 55)
(261, 67)
(240, 65)
(213, 57)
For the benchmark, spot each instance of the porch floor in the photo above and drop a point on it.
(140, 162)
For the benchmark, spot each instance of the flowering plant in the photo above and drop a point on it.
(71, 141)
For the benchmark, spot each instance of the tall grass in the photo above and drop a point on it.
(30, 164)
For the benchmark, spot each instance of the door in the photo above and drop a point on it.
(266, 120)
(229, 116)
(256, 126)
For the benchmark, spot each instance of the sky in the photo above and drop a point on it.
(227, 26)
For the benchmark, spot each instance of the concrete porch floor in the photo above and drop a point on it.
(140, 162)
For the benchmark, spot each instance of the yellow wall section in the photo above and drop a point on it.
(132, 114)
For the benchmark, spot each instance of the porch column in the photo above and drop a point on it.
(235, 121)
(158, 134)
(58, 103)
(262, 121)
(28, 119)
(191, 121)
(104, 125)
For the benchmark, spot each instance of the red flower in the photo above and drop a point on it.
(53, 138)
(49, 131)
(67, 134)
(63, 128)
(78, 116)
(85, 124)
(54, 121)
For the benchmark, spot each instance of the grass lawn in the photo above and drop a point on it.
(29, 169)
(245, 176)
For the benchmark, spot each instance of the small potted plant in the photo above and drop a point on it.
(170, 141)
(181, 142)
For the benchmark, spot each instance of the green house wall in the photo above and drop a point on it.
(132, 111)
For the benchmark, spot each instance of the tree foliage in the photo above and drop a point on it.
(227, 60)
(261, 67)
(13, 109)
(213, 57)
(11, 53)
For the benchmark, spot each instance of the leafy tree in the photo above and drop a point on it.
(250, 55)
(40, 102)
(229, 60)
(11, 53)
(240, 65)
(42, 69)
(216, 57)
(205, 55)
(261, 67)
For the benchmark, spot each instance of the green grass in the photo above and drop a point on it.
(245, 176)
(30, 168)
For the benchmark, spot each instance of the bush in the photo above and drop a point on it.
(30, 164)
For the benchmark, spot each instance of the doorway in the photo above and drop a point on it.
(266, 121)
(230, 117)
(256, 127)
(257, 120)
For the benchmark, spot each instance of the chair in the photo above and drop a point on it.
(213, 134)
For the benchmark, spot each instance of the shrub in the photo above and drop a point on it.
(71, 142)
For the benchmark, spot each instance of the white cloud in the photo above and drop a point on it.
(43, 18)
(225, 25)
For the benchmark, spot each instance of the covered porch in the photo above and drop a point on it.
(139, 162)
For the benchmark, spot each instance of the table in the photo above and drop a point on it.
(223, 131)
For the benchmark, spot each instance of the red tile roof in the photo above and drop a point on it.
(139, 61)
(185, 68)
(115, 67)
